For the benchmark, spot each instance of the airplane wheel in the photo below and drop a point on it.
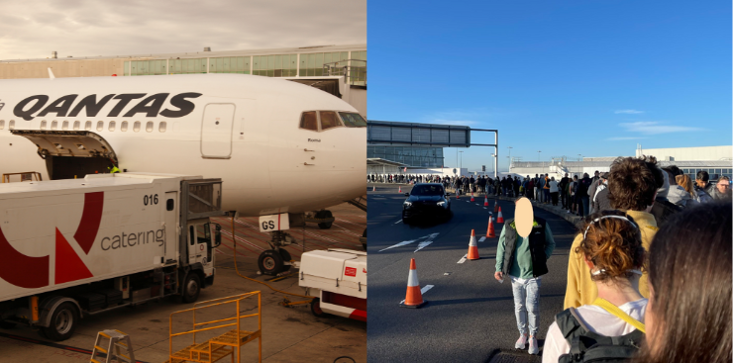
(325, 225)
(270, 262)
(324, 214)
(286, 257)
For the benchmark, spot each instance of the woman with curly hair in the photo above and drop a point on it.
(612, 249)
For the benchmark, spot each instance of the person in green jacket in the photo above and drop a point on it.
(524, 246)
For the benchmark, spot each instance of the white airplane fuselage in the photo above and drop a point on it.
(243, 129)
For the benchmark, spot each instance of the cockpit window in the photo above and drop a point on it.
(436, 189)
(309, 121)
(329, 120)
(352, 119)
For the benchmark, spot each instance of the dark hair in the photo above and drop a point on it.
(612, 244)
(703, 175)
(674, 170)
(690, 276)
(632, 182)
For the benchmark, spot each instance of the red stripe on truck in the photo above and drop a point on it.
(69, 267)
(21, 270)
(90, 220)
(360, 315)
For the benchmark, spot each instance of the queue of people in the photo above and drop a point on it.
(649, 274)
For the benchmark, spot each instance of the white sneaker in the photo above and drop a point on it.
(521, 341)
(533, 347)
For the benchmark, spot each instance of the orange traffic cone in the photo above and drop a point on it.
(472, 199)
(399, 190)
(413, 298)
(374, 188)
(486, 201)
(490, 230)
(500, 218)
(496, 205)
(472, 247)
(458, 194)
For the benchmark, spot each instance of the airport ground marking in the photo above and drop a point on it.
(398, 222)
(481, 239)
(423, 245)
(425, 289)
(428, 238)
(463, 259)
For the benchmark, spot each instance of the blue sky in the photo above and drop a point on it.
(563, 77)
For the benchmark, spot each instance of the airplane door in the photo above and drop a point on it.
(171, 212)
(216, 130)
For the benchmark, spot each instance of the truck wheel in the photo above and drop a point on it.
(270, 262)
(63, 322)
(286, 257)
(316, 308)
(191, 288)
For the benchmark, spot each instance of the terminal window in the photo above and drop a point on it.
(277, 65)
(239, 65)
(311, 64)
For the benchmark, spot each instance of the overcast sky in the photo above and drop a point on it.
(34, 28)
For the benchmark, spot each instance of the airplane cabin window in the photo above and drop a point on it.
(136, 126)
(54, 125)
(162, 126)
(2, 124)
(149, 126)
(43, 125)
(329, 120)
(65, 125)
(11, 125)
(352, 119)
(88, 125)
(123, 127)
(112, 126)
(77, 125)
(100, 125)
(309, 121)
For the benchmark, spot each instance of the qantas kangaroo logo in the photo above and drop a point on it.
(33, 272)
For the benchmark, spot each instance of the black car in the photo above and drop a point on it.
(426, 200)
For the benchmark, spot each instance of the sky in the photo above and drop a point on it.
(556, 78)
(32, 29)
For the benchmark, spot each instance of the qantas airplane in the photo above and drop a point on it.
(279, 146)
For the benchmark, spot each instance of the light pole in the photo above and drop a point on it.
(461, 164)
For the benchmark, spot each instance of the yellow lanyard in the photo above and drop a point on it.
(613, 309)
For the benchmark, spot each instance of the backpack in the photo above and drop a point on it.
(587, 346)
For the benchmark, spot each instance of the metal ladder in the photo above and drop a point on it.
(118, 341)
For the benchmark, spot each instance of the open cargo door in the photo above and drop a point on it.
(70, 154)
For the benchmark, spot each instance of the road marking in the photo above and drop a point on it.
(482, 239)
(463, 259)
(428, 238)
(425, 289)
(423, 245)
(486, 208)
(398, 222)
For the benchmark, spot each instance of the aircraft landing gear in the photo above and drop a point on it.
(276, 260)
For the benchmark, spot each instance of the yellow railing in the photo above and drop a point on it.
(214, 349)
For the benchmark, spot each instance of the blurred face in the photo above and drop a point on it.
(723, 186)
(700, 183)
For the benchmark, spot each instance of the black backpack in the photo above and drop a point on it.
(587, 346)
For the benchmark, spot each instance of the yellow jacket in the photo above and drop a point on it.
(581, 290)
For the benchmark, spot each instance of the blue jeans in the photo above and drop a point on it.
(584, 200)
(527, 304)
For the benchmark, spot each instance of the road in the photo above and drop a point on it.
(470, 316)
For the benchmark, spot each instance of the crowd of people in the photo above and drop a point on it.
(649, 274)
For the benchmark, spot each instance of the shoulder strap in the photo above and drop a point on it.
(613, 309)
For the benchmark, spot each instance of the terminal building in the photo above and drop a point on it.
(338, 69)
(716, 160)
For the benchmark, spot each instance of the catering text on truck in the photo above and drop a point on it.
(75, 247)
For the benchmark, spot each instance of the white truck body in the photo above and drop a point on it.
(57, 237)
(338, 277)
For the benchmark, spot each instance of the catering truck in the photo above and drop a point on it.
(76, 247)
